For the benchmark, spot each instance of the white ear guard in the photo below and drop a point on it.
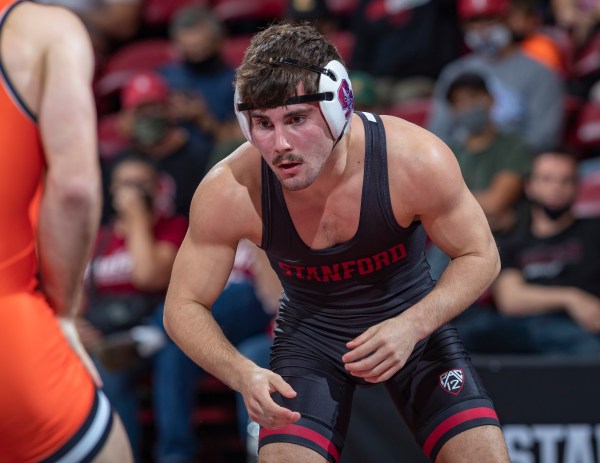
(335, 98)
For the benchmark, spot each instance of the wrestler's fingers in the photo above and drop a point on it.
(360, 352)
(361, 339)
(277, 383)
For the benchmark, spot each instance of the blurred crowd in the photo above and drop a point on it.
(512, 86)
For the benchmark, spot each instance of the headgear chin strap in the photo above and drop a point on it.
(335, 97)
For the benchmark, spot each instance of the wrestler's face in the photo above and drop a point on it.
(294, 140)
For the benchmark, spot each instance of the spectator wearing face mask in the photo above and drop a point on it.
(528, 97)
(493, 163)
(201, 82)
(547, 292)
(181, 159)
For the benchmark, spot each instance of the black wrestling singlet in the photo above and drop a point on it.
(378, 273)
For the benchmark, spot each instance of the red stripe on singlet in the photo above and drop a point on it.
(305, 433)
(455, 420)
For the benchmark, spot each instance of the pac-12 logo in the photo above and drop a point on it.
(346, 98)
(452, 381)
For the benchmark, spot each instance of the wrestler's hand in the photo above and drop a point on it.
(257, 391)
(67, 324)
(381, 351)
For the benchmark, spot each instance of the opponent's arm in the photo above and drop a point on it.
(429, 185)
(70, 207)
(217, 222)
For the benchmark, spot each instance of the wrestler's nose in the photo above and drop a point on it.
(282, 141)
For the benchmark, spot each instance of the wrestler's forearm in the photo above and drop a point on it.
(68, 223)
(461, 284)
(193, 328)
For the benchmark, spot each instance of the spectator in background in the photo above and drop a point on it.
(181, 159)
(315, 11)
(201, 82)
(493, 164)
(528, 97)
(109, 22)
(524, 19)
(581, 20)
(548, 291)
(404, 45)
(127, 280)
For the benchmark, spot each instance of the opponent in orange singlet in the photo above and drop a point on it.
(51, 410)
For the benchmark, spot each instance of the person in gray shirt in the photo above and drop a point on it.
(529, 98)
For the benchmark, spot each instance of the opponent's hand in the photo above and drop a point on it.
(67, 325)
(381, 351)
(261, 407)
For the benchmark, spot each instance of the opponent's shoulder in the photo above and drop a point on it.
(47, 22)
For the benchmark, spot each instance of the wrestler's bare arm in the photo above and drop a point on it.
(426, 184)
(222, 213)
(453, 220)
(56, 47)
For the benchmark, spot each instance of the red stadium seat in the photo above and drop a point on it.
(159, 12)
(588, 60)
(138, 56)
(587, 129)
(415, 111)
(234, 49)
(342, 7)
(237, 10)
(587, 203)
(344, 42)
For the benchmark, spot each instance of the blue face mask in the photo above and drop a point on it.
(489, 41)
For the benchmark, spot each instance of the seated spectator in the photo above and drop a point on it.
(528, 97)
(404, 45)
(525, 22)
(493, 164)
(201, 83)
(548, 285)
(181, 159)
(127, 280)
(547, 293)
(109, 22)
(581, 20)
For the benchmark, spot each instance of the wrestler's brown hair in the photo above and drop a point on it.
(264, 84)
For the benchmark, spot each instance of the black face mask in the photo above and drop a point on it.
(518, 37)
(553, 213)
(210, 65)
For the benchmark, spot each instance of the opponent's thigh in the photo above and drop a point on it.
(288, 453)
(483, 444)
(116, 448)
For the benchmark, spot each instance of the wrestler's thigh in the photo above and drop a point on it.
(116, 448)
(484, 443)
(288, 453)
(324, 401)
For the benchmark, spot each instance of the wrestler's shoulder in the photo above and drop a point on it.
(413, 145)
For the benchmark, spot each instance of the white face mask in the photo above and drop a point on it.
(488, 41)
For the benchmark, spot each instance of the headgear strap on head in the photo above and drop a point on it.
(335, 97)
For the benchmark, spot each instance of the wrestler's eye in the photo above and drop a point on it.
(262, 123)
(297, 119)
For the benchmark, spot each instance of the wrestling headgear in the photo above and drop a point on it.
(334, 96)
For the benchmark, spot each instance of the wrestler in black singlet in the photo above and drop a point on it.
(333, 295)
